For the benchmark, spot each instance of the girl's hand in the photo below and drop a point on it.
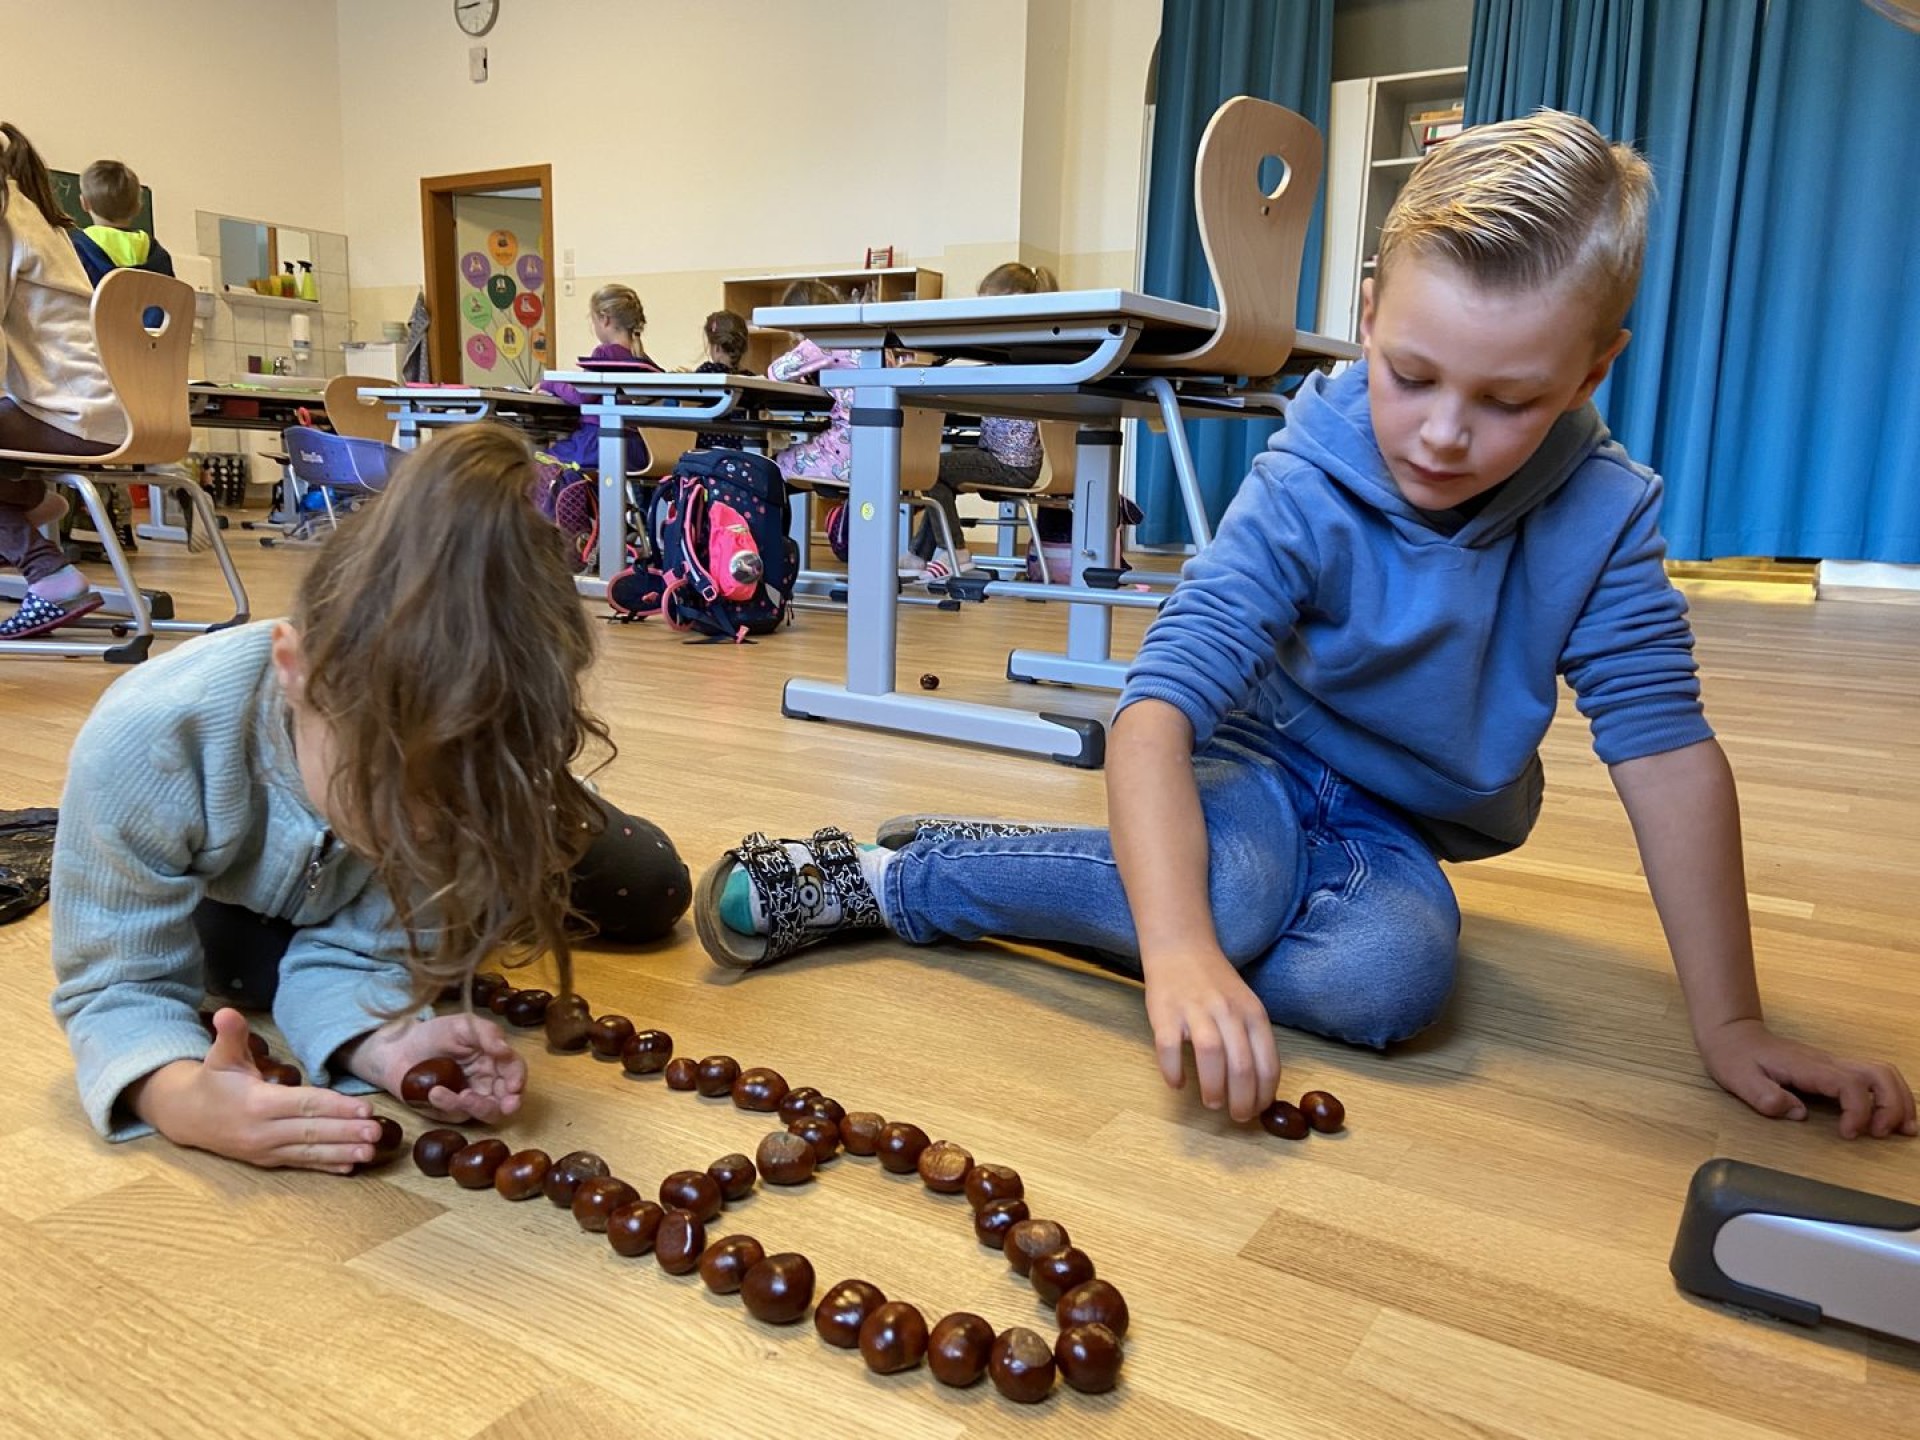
(496, 1075)
(221, 1104)
(1200, 1000)
(1750, 1061)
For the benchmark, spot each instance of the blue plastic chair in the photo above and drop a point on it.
(328, 474)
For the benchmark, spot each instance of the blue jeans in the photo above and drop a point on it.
(1324, 897)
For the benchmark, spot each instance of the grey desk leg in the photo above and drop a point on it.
(406, 431)
(613, 499)
(868, 697)
(1096, 522)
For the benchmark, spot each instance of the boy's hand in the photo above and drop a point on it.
(496, 1075)
(1750, 1061)
(1200, 1000)
(222, 1105)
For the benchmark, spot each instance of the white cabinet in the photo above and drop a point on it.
(1370, 152)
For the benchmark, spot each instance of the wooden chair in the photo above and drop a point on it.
(348, 414)
(1253, 238)
(147, 369)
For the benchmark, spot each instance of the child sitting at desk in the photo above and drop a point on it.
(829, 454)
(725, 334)
(1351, 683)
(1008, 454)
(111, 193)
(618, 319)
(58, 400)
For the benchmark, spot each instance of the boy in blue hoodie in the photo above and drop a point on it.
(1351, 683)
(111, 193)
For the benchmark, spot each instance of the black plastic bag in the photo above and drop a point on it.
(26, 860)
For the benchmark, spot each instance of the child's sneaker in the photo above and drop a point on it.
(765, 899)
(903, 830)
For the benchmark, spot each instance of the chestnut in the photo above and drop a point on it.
(819, 1132)
(597, 1197)
(1059, 1271)
(1093, 1302)
(392, 1137)
(521, 1176)
(693, 1190)
(716, 1075)
(647, 1053)
(860, 1131)
(679, 1242)
(569, 1021)
(1088, 1357)
(785, 1158)
(421, 1081)
(1285, 1119)
(943, 1166)
(278, 1072)
(631, 1228)
(257, 1045)
(844, 1309)
(501, 998)
(434, 1150)
(992, 1221)
(1324, 1113)
(1021, 1364)
(486, 985)
(957, 1350)
(567, 1174)
(473, 1165)
(893, 1337)
(527, 1008)
(724, 1264)
(734, 1174)
(609, 1036)
(794, 1103)
(779, 1290)
(1027, 1240)
(759, 1089)
(993, 1182)
(899, 1147)
(827, 1108)
(682, 1073)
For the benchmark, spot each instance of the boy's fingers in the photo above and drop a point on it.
(1776, 1102)
(1239, 1062)
(1167, 1047)
(229, 1048)
(1209, 1063)
(1855, 1095)
(317, 1101)
(306, 1155)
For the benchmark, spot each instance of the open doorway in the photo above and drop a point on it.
(488, 237)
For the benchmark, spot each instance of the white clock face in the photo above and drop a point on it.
(476, 17)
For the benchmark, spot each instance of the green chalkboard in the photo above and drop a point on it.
(66, 189)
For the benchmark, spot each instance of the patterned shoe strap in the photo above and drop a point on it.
(770, 871)
(839, 859)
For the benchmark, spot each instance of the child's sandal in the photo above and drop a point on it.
(789, 897)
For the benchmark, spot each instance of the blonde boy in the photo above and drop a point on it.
(1351, 683)
(111, 194)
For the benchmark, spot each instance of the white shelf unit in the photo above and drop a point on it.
(1370, 153)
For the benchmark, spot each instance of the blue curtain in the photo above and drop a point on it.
(1756, 118)
(1210, 51)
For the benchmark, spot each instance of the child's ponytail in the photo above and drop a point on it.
(445, 649)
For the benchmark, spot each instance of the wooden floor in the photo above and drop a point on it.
(1482, 1252)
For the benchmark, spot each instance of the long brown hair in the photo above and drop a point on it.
(727, 333)
(21, 163)
(445, 649)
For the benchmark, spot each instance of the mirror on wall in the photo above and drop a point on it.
(254, 255)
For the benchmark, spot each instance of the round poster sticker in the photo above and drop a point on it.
(527, 308)
(540, 345)
(476, 267)
(532, 271)
(480, 350)
(503, 245)
(478, 312)
(500, 290)
(511, 339)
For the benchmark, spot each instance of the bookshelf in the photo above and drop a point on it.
(1371, 149)
(743, 294)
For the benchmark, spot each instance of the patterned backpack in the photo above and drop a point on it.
(721, 562)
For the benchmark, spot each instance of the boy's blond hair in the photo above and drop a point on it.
(111, 192)
(1531, 204)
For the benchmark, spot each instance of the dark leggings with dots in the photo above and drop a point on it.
(631, 886)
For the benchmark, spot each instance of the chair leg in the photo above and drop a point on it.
(207, 517)
(134, 647)
(1031, 515)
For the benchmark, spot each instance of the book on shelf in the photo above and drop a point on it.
(1430, 127)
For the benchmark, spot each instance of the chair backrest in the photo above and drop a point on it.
(1253, 238)
(1059, 443)
(350, 415)
(351, 462)
(920, 431)
(147, 368)
(664, 449)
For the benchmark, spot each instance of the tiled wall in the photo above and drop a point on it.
(239, 328)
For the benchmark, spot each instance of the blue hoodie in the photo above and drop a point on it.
(1417, 654)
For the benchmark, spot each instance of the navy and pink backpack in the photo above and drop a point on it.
(720, 562)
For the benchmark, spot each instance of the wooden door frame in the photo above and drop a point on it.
(442, 255)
